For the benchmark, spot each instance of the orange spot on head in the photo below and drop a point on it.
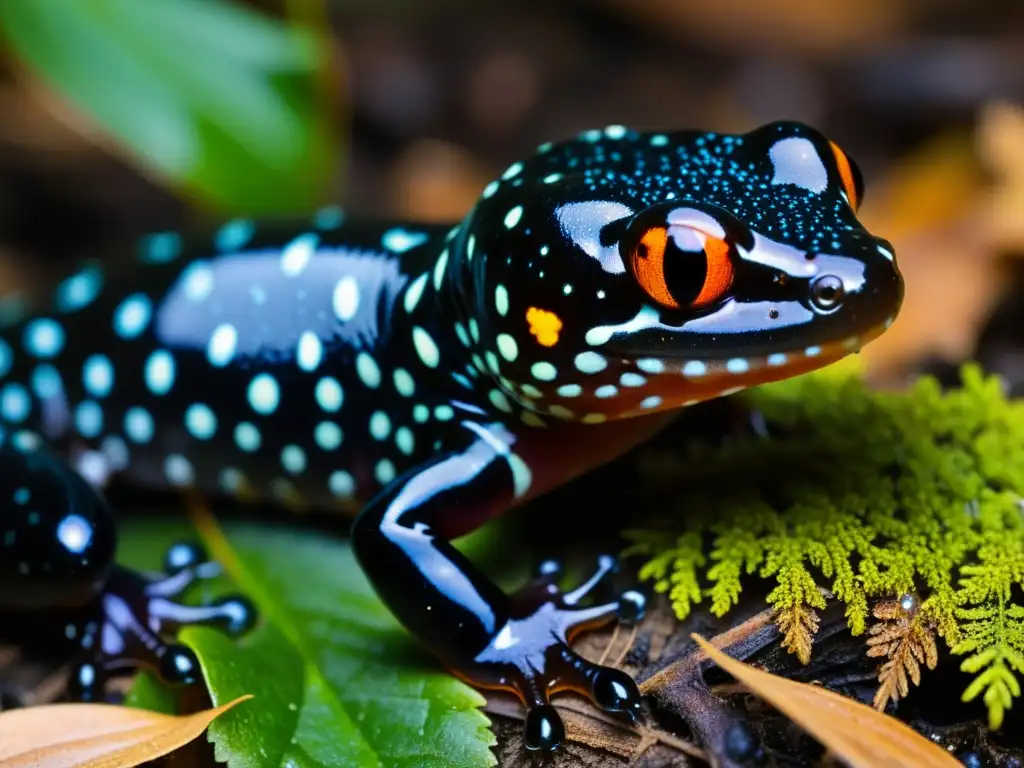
(846, 174)
(544, 325)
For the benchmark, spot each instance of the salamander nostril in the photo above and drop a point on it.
(827, 292)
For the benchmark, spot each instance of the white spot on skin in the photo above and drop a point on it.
(590, 362)
(737, 365)
(341, 484)
(297, 254)
(404, 383)
(583, 223)
(812, 351)
(552, 178)
(414, 292)
(293, 459)
(75, 533)
(489, 190)
(400, 241)
(544, 371)
(645, 318)
(615, 131)
(138, 425)
(650, 365)
(569, 390)
(694, 369)
(522, 477)
(425, 347)
(44, 338)
(499, 401)
(132, 316)
(200, 421)
(444, 413)
(15, 403)
(631, 379)
(79, 290)
(310, 351)
(197, 281)
(440, 269)
(223, 344)
(328, 435)
(474, 329)
(380, 425)
(650, 402)
(777, 359)
(178, 470)
(159, 372)
(796, 161)
(512, 170)
(507, 347)
(420, 413)
(247, 437)
(367, 369)
(501, 300)
(329, 394)
(887, 253)
(405, 441)
(98, 375)
(264, 394)
(345, 300)
(513, 216)
(460, 331)
(384, 471)
(606, 390)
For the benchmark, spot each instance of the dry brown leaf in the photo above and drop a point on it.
(798, 625)
(856, 734)
(906, 641)
(95, 735)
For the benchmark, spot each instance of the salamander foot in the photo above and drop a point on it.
(530, 654)
(123, 629)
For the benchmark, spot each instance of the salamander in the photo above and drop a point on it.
(430, 377)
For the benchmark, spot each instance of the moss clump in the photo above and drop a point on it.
(914, 497)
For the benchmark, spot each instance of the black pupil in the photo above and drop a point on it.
(685, 272)
(827, 291)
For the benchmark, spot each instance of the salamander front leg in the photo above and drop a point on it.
(135, 611)
(482, 635)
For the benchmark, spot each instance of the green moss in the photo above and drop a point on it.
(865, 495)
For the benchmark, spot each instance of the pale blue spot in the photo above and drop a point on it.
(264, 394)
(222, 346)
(79, 290)
(425, 347)
(380, 425)
(499, 401)
(138, 424)
(615, 131)
(650, 365)
(234, 234)
(295, 256)
(779, 358)
(341, 484)
(489, 190)
(89, 418)
(812, 351)
(501, 299)
(345, 300)
(474, 329)
(694, 368)
(132, 316)
(570, 390)
(98, 375)
(513, 216)
(404, 382)
(247, 437)
(512, 171)
(420, 413)
(650, 402)
(606, 390)
(414, 292)
(44, 338)
(329, 394)
(631, 379)
(15, 403)
(197, 281)
(178, 470)
(46, 382)
(293, 459)
(160, 247)
(74, 533)
(22, 496)
(544, 371)
(400, 240)
(737, 365)
(440, 269)
(659, 140)
(367, 369)
(444, 413)
(159, 372)
(551, 178)
(310, 351)
(590, 362)
(384, 472)
(201, 421)
(329, 217)
(328, 435)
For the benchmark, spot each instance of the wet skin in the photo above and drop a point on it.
(431, 377)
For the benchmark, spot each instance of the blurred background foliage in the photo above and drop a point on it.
(118, 117)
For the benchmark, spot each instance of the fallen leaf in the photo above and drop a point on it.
(96, 735)
(855, 733)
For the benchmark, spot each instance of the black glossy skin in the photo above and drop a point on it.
(58, 579)
(435, 376)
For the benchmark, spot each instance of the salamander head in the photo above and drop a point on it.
(622, 273)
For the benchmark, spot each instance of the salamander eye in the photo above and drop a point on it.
(849, 175)
(681, 266)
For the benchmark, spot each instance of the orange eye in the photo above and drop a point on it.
(681, 266)
(849, 175)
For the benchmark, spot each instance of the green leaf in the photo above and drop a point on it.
(336, 680)
(220, 100)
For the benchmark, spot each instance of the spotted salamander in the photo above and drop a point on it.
(431, 377)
